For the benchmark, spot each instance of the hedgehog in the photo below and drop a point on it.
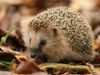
(61, 34)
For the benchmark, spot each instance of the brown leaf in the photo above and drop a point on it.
(27, 67)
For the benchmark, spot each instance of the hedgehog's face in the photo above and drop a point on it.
(43, 43)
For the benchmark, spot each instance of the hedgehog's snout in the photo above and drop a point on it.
(36, 51)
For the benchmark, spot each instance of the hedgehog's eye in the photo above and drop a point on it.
(55, 32)
(42, 43)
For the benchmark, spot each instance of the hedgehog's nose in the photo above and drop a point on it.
(33, 53)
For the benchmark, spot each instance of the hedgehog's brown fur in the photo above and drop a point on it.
(67, 34)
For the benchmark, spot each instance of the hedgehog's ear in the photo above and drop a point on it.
(55, 32)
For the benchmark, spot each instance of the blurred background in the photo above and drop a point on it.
(18, 13)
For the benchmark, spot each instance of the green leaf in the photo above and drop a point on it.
(4, 38)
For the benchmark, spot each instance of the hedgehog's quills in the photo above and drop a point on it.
(61, 33)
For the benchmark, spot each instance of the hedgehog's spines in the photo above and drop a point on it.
(76, 31)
